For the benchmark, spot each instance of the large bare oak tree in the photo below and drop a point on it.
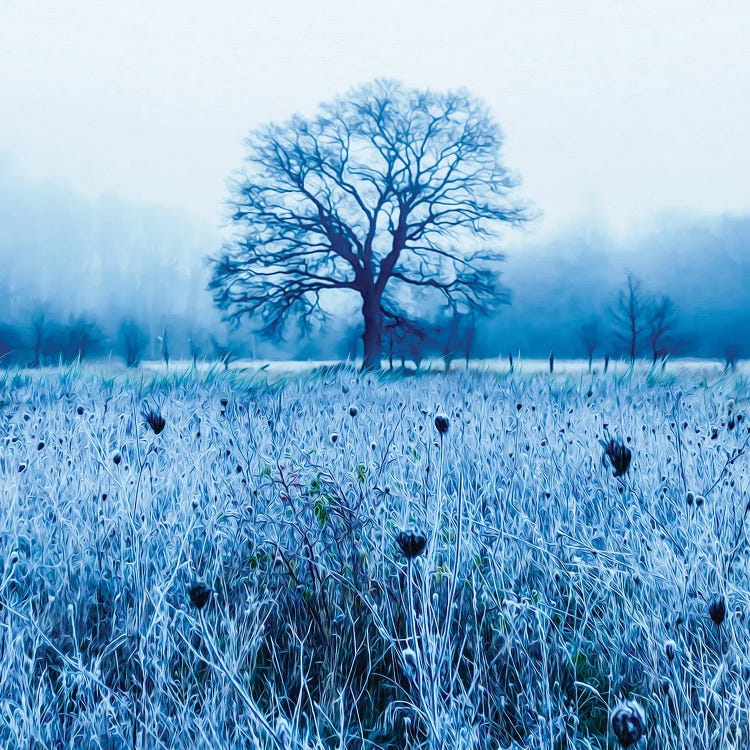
(386, 187)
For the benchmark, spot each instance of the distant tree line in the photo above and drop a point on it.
(47, 341)
(637, 323)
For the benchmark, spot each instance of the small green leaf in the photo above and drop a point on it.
(321, 510)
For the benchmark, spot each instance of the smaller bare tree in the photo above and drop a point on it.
(133, 342)
(662, 322)
(731, 357)
(85, 338)
(222, 352)
(590, 333)
(458, 331)
(629, 317)
(39, 329)
(196, 352)
(404, 335)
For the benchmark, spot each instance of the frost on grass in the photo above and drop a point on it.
(217, 571)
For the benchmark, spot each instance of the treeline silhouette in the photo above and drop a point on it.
(78, 274)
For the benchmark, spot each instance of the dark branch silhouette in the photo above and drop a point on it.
(629, 317)
(591, 338)
(662, 322)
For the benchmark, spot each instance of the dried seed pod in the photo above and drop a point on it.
(670, 649)
(411, 543)
(409, 664)
(717, 609)
(155, 420)
(441, 424)
(628, 722)
(619, 456)
(199, 594)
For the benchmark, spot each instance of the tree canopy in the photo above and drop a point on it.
(385, 189)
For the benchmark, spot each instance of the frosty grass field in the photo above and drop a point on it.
(235, 580)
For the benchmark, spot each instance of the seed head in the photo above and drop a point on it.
(628, 722)
(411, 543)
(670, 649)
(619, 456)
(409, 664)
(199, 594)
(717, 609)
(155, 420)
(441, 424)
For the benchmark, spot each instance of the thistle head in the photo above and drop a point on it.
(619, 456)
(409, 664)
(411, 543)
(155, 420)
(199, 594)
(717, 609)
(628, 722)
(670, 649)
(441, 424)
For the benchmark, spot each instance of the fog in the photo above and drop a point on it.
(109, 260)
(626, 122)
(701, 262)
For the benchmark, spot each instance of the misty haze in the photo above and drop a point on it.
(374, 378)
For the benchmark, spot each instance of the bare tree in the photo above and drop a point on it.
(629, 317)
(404, 335)
(133, 342)
(386, 188)
(195, 348)
(39, 329)
(85, 338)
(451, 341)
(222, 352)
(662, 321)
(590, 336)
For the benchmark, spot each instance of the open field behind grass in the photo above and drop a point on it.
(547, 591)
(695, 366)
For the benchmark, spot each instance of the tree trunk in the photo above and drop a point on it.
(373, 334)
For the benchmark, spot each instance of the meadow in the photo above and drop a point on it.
(339, 560)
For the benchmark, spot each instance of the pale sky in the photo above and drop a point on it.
(613, 111)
